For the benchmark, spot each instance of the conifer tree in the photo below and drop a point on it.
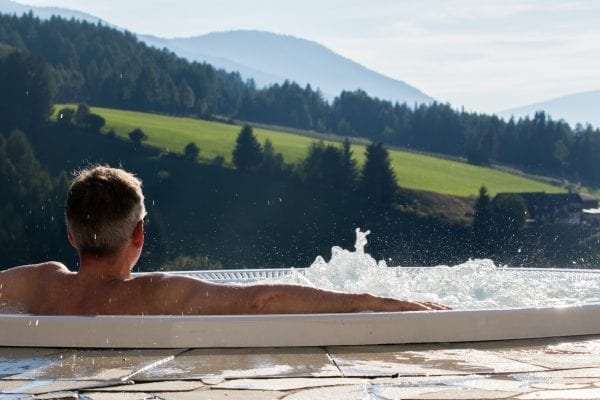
(248, 153)
(378, 181)
(272, 162)
(483, 212)
(191, 151)
(137, 136)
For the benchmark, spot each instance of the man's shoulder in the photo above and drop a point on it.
(164, 278)
(166, 281)
(45, 267)
(51, 267)
(150, 277)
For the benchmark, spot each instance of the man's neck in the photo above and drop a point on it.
(104, 268)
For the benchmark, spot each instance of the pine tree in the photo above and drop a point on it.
(248, 153)
(350, 169)
(483, 212)
(272, 162)
(483, 224)
(378, 181)
(191, 151)
(137, 136)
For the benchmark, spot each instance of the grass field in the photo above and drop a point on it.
(415, 171)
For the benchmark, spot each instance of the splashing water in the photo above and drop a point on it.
(475, 284)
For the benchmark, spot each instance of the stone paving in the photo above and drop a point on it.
(558, 368)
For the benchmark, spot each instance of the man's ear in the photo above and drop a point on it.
(70, 237)
(137, 238)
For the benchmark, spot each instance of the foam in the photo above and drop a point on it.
(475, 284)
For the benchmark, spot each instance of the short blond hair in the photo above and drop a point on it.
(104, 205)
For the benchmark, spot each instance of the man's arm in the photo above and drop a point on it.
(193, 296)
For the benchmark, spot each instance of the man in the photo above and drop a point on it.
(105, 222)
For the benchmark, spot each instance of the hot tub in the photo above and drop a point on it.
(461, 325)
(490, 303)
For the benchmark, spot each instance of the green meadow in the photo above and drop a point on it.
(415, 171)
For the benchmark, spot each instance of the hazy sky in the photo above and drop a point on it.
(486, 55)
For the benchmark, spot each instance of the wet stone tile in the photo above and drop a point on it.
(287, 384)
(58, 396)
(372, 361)
(483, 382)
(348, 392)
(93, 365)
(41, 386)
(567, 376)
(118, 396)
(576, 394)
(149, 387)
(465, 394)
(451, 386)
(17, 397)
(560, 386)
(221, 395)
(244, 363)
(565, 354)
(15, 361)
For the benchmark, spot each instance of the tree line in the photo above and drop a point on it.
(262, 213)
(106, 67)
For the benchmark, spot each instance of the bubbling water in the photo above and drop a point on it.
(475, 284)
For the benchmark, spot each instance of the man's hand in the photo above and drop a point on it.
(426, 305)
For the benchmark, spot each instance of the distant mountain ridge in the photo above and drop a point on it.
(265, 57)
(271, 58)
(11, 7)
(575, 108)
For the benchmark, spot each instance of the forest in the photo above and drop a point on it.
(260, 213)
(105, 67)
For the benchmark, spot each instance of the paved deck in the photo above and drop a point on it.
(567, 368)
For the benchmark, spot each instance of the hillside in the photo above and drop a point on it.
(146, 79)
(271, 58)
(575, 108)
(265, 57)
(414, 171)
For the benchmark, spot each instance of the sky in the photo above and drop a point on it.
(486, 56)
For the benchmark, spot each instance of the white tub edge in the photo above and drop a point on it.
(297, 330)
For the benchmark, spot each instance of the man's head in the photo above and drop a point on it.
(104, 205)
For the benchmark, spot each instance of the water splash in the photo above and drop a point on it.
(361, 241)
(474, 284)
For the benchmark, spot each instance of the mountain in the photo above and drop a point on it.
(575, 108)
(11, 7)
(265, 57)
(271, 58)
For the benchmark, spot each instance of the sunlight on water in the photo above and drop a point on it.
(471, 285)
